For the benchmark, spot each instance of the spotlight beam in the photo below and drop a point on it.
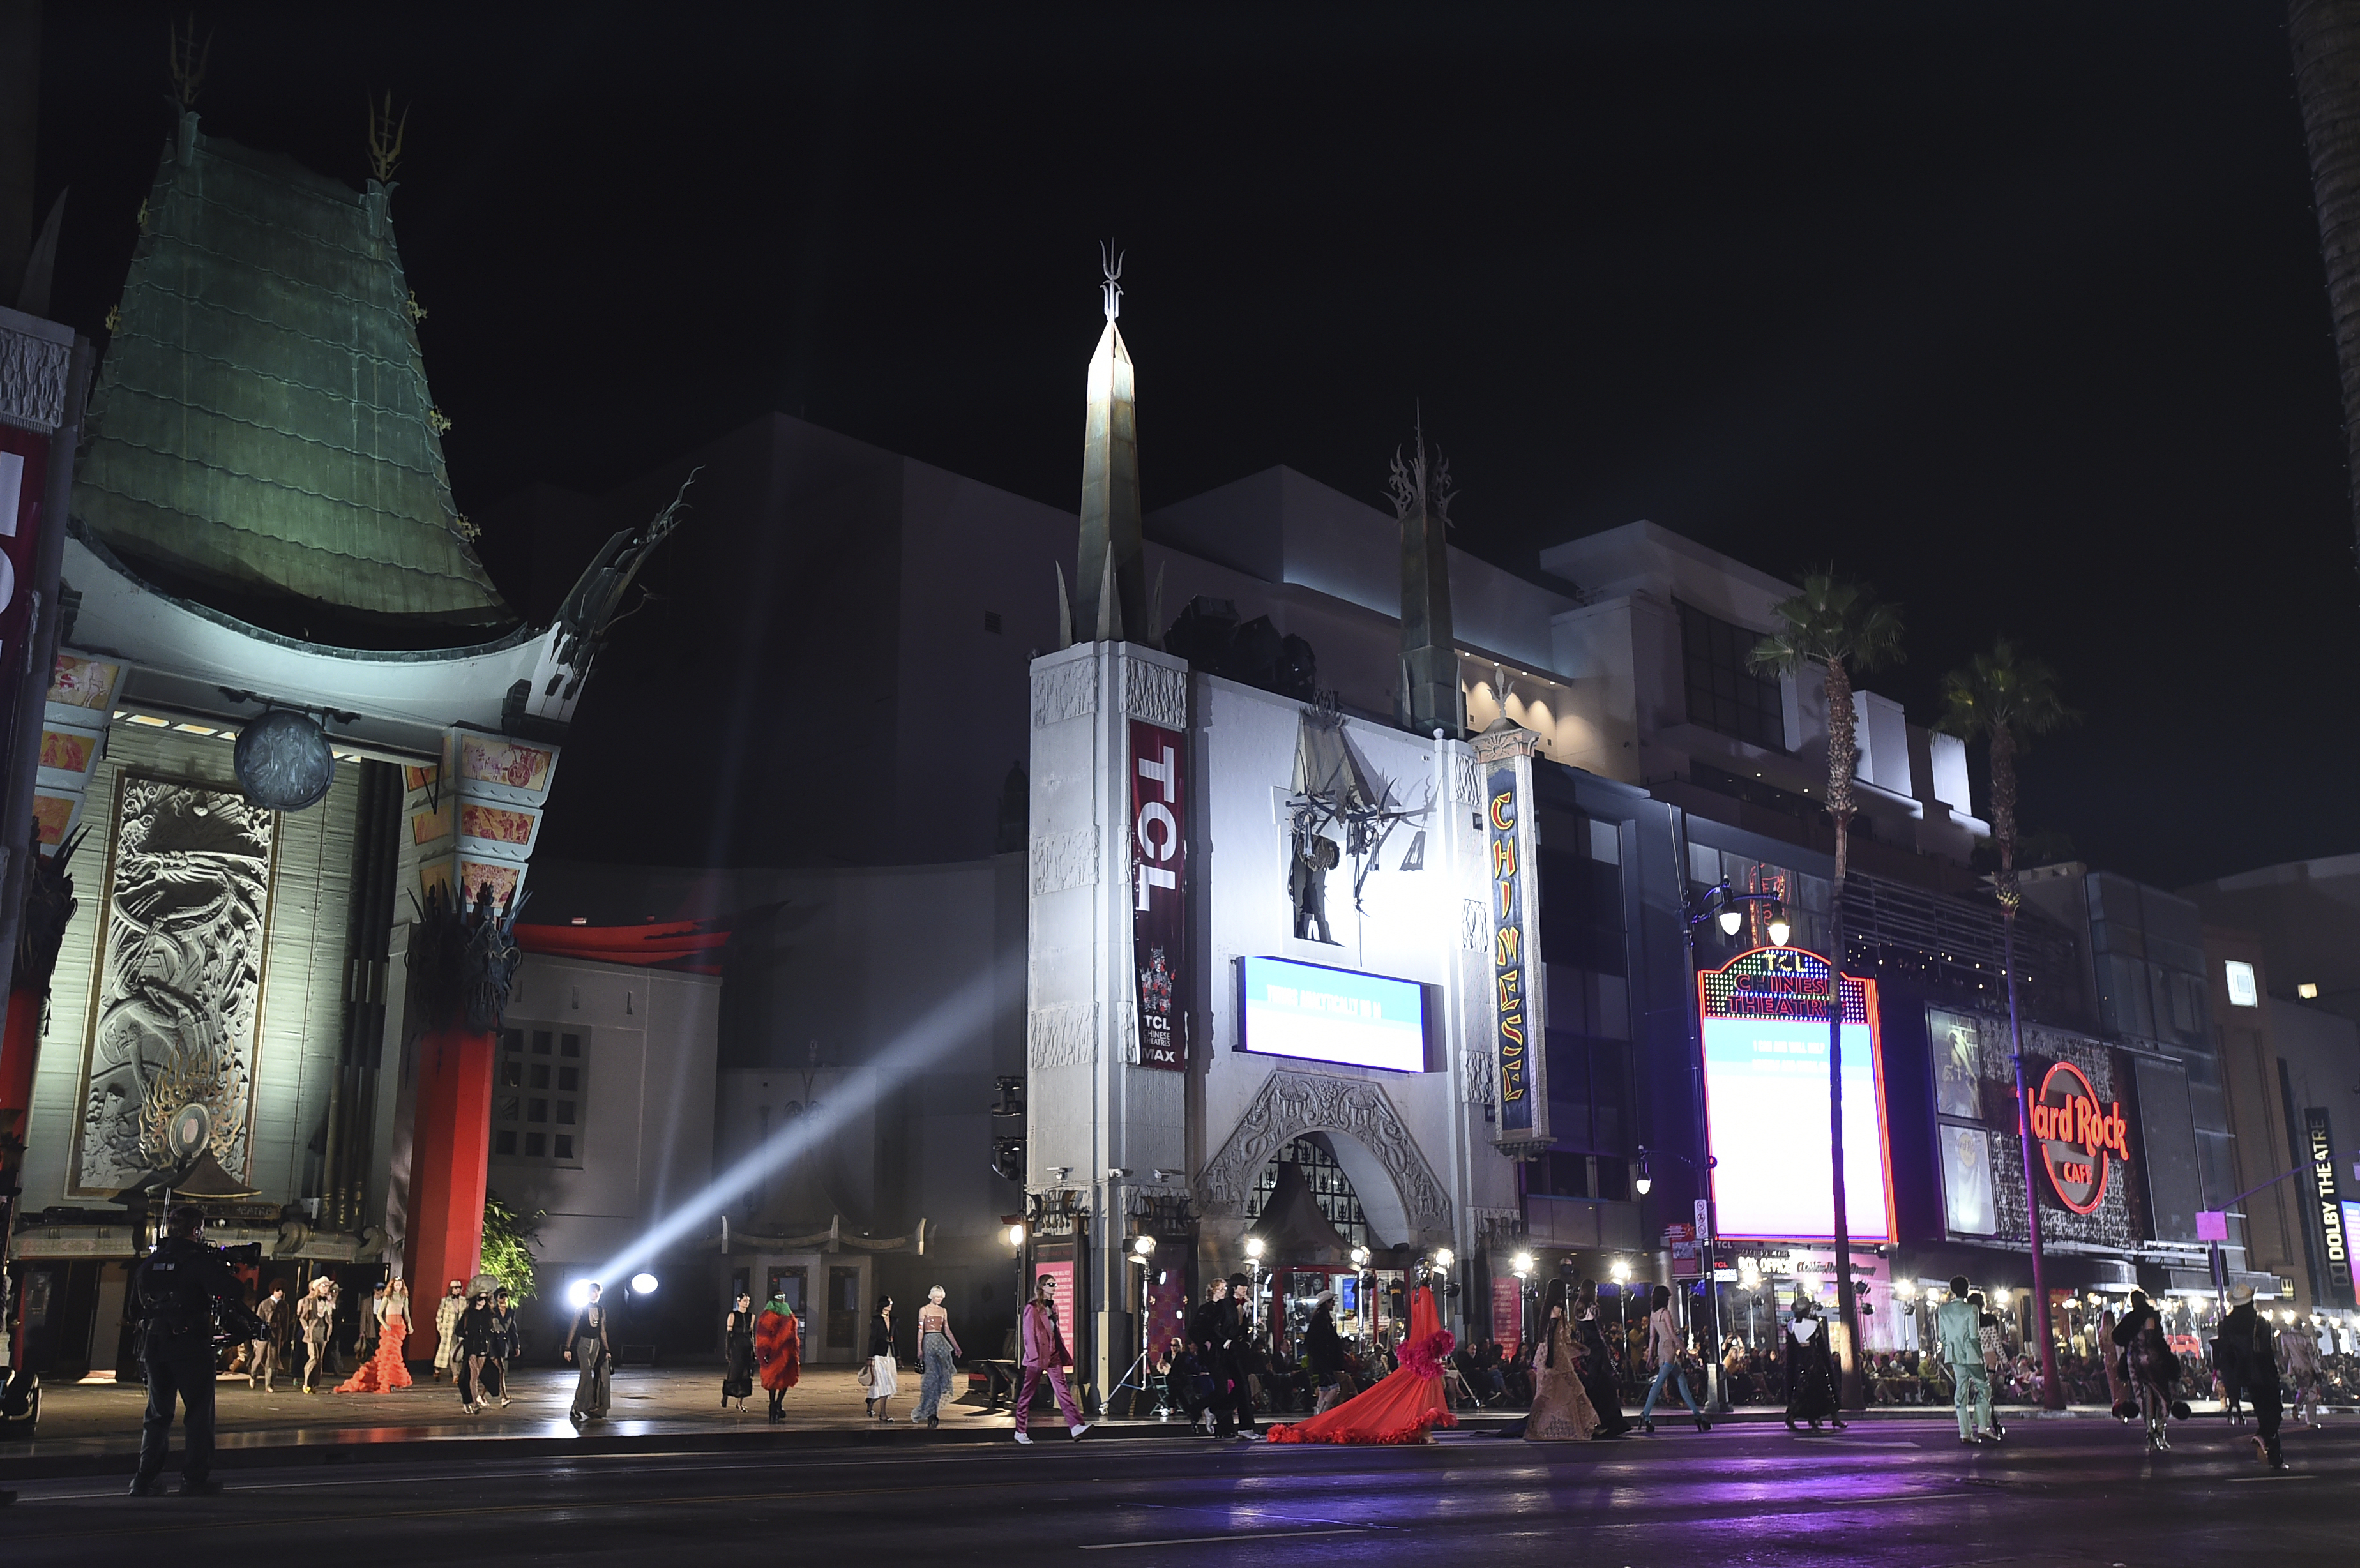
(957, 1021)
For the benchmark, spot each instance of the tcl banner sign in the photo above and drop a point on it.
(2077, 1135)
(1158, 867)
(24, 475)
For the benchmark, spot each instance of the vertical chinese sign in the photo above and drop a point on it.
(1517, 1023)
(1158, 861)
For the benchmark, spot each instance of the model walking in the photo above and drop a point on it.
(1561, 1409)
(315, 1318)
(1208, 1328)
(473, 1331)
(588, 1346)
(276, 1314)
(384, 1371)
(937, 1347)
(2248, 1344)
(446, 1326)
(1598, 1371)
(779, 1348)
(1958, 1330)
(737, 1342)
(883, 1380)
(1811, 1368)
(1665, 1345)
(2149, 1365)
(1405, 1407)
(1041, 1353)
(503, 1346)
(2299, 1354)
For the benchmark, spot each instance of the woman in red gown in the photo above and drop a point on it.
(1404, 1407)
(385, 1372)
(779, 1351)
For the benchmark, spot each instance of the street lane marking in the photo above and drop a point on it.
(1204, 1539)
(2289, 1475)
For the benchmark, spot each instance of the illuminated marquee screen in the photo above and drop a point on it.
(1316, 1014)
(1765, 1070)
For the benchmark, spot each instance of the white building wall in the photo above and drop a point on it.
(647, 1137)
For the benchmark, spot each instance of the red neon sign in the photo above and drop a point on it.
(2077, 1134)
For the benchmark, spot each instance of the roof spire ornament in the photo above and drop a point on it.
(1111, 262)
(1422, 493)
(1110, 579)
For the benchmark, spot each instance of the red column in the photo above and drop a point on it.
(451, 1146)
(20, 1049)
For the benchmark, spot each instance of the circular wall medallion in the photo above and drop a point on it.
(284, 761)
(192, 1124)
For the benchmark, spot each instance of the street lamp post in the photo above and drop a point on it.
(1253, 1265)
(1727, 909)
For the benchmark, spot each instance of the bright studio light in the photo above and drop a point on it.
(1729, 920)
(1015, 1236)
(1253, 1247)
(643, 1283)
(1359, 1258)
(1443, 1256)
(925, 1042)
(1620, 1271)
(1144, 1246)
(1522, 1264)
(2001, 1296)
(577, 1294)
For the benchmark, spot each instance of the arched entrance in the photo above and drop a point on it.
(1402, 1199)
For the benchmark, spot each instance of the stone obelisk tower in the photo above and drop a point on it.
(1430, 695)
(1110, 582)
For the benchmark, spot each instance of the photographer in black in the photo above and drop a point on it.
(185, 1295)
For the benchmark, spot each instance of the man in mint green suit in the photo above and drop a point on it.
(1958, 1328)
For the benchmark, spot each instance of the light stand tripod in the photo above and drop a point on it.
(1142, 1252)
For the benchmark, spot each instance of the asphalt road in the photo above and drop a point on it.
(2081, 1492)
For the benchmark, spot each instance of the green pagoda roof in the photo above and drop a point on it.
(262, 438)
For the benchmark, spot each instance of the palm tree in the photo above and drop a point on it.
(1843, 627)
(2324, 35)
(2004, 698)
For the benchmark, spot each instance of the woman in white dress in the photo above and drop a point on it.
(883, 1384)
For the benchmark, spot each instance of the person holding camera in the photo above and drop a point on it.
(184, 1290)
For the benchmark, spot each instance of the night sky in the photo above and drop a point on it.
(2016, 312)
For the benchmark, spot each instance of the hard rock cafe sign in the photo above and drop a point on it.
(2077, 1135)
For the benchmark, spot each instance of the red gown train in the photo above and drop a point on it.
(384, 1372)
(1403, 1408)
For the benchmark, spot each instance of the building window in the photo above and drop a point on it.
(537, 1107)
(1330, 1189)
(991, 622)
(2241, 990)
(1724, 695)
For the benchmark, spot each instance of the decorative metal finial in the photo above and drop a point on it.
(1111, 262)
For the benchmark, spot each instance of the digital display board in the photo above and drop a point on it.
(1316, 1014)
(1765, 1070)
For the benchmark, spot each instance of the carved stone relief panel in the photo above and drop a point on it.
(1155, 694)
(168, 1070)
(1066, 860)
(1293, 1103)
(33, 379)
(1067, 692)
(1064, 1034)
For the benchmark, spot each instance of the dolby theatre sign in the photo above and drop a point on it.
(2079, 1136)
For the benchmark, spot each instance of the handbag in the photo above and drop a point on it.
(866, 1376)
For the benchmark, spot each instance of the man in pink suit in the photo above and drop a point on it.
(1044, 1353)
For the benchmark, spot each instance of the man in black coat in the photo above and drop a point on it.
(1238, 1325)
(181, 1289)
(2248, 1350)
(1208, 1332)
(1325, 1349)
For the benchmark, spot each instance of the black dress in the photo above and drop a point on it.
(1810, 1374)
(1599, 1381)
(738, 1381)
